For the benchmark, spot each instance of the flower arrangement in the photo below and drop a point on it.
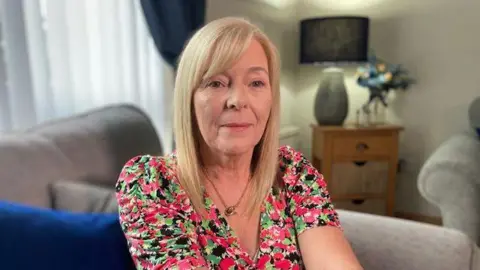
(380, 77)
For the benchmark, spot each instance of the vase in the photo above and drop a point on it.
(331, 100)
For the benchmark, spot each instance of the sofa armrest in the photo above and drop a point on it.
(450, 179)
(390, 243)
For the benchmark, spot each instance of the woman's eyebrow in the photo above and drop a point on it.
(257, 68)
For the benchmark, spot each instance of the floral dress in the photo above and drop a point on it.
(164, 232)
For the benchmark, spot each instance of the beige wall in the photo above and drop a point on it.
(437, 40)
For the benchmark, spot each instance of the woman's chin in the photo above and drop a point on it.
(233, 148)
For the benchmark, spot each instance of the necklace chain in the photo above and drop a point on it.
(229, 210)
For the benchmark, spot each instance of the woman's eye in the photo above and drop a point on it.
(258, 84)
(215, 84)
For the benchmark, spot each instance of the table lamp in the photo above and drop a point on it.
(333, 42)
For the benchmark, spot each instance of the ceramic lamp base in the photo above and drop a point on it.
(331, 100)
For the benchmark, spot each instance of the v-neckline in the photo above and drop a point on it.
(229, 232)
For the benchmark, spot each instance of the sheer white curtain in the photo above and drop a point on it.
(62, 57)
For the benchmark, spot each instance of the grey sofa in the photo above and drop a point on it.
(92, 147)
(450, 180)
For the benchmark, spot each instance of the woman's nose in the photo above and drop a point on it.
(238, 98)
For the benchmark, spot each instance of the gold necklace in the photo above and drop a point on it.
(229, 210)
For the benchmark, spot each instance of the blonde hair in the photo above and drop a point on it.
(213, 49)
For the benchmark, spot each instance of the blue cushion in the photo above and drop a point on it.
(37, 238)
(478, 132)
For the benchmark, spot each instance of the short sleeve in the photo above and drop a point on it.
(155, 221)
(308, 199)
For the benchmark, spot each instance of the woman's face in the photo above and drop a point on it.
(232, 108)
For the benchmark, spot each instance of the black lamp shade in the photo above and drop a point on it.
(334, 40)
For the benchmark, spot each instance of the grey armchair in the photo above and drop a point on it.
(450, 180)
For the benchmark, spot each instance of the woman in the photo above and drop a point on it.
(229, 198)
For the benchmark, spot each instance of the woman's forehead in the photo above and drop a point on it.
(253, 59)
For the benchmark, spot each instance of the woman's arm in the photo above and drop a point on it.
(321, 240)
(156, 222)
(326, 248)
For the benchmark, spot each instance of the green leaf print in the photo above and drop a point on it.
(209, 247)
(213, 258)
(147, 244)
(324, 217)
(168, 221)
(144, 159)
(277, 250)
(178, 246)
(268, 223)
(287, 241)
(153, 172)
(204, 223)
(300, 224)
(135, 190)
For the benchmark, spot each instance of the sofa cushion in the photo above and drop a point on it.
(82, 197)
(37, 238)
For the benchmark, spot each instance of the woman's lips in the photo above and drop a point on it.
(237, 126)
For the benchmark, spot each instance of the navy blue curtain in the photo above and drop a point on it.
(171, 24)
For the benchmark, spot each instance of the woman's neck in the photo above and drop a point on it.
(222, 167)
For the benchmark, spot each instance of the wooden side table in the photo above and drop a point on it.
(359, 165)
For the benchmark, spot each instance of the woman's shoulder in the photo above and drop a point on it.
(288, 155)
(163, 164)
(295, 168)
(148, 176)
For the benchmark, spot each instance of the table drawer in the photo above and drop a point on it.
(357, 178)
(370, 206)
(358, 147)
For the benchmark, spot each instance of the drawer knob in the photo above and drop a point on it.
(362, 147)
(358, 201)
(360, 163)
